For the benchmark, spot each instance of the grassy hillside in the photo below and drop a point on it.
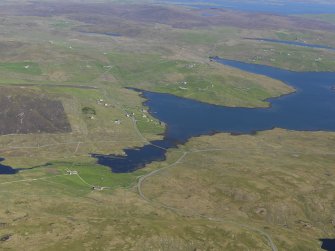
(277, 181)
(223, 195)
(218, 192)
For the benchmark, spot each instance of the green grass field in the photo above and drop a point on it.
(22, 67)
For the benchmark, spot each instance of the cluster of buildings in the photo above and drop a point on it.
(97, 188)
(101, 102)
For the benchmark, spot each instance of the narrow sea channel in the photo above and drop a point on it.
(310, 108)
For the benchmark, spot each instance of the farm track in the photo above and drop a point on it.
(179, 211)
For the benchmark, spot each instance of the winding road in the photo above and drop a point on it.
(143, 178)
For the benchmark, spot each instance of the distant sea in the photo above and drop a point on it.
(282, 7)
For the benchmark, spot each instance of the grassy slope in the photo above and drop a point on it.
(207, 82)
(229, 42)
(323, 17)
(58, 55)
(278, 182)
(62, 213)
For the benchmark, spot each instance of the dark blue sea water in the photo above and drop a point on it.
(111, 34)
(6, 169)
(310, 108)
(283, 7)
(296, 43)
(328, 244)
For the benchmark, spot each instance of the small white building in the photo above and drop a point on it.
(98, 188)
(72, 172)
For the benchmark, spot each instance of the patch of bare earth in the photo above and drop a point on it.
(25, 111)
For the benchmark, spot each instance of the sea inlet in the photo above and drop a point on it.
(310, 108)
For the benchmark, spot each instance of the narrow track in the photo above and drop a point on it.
(179, 211)
(142, 179)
